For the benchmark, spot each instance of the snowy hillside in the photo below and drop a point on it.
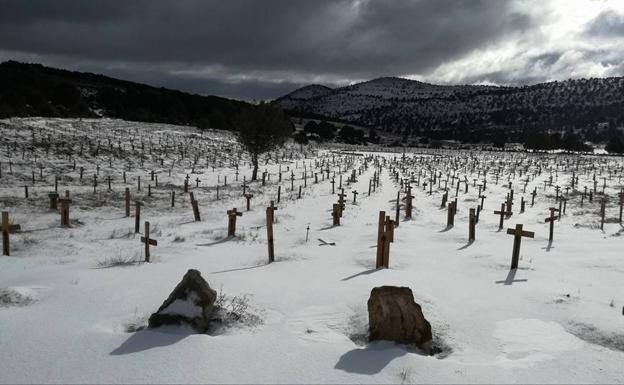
(397, 104)
(74, 301)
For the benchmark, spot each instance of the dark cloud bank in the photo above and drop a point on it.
(252, 49)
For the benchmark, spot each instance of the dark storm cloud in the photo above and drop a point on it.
(260, 47)
(608, 23)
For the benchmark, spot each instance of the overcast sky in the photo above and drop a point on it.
(262, 49)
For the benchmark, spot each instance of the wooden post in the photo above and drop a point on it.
(471, 225)
(65, 209)
(173, 198)
(137, 215)
(336, 214)
(53, 200)
(603, 203)
(397, 209)
(380, 245)
(195, 207)
(7, 228)
(408, 203)
(248, 197)
(232, 214)
(269, 222)
(148, 241)
(450, 215)
(518, 233)
(127, 198)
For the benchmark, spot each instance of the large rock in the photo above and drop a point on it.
(393, 315)
(191, 302)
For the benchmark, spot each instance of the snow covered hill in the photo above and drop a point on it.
(397, 104)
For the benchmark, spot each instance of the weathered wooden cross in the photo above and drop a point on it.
(551, 219)
(502, 214)
(248, 198)
(148, 241)
(518, 233)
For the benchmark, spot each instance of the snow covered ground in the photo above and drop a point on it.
(67, 317)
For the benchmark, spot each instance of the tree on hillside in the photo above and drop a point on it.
(615, 145)
(261, 129)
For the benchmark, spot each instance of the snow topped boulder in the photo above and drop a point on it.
(394, 316)
(191, 302)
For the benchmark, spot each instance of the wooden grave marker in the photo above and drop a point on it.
(518, 233)
(148, 241)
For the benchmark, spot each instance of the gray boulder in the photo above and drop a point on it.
(191, 302)
(394, 316)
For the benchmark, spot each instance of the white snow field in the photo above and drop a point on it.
(68, 316)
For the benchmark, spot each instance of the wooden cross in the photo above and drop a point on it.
(355, 193)
(502, 214)
(232, 214)
(148, 241)
(7, 228)
(65, 209)
(341, 201)
(248, 197)
(518, 233)
(533, 194)
(551, 219)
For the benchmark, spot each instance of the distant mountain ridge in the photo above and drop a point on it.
(410, 107)
(36, 90)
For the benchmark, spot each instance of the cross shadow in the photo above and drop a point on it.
(549, 246)
(447, 228)
(227, 239)
(467, 245)
(371, 359)
(365, 272)
(510, 278)
(187, 223)
(35, 230)
(237, 269)
(114, 219)
(327, 228)
(150, 339)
